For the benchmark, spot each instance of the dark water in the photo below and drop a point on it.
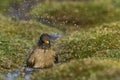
(18, 75)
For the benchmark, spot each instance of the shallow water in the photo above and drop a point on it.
(18, 75)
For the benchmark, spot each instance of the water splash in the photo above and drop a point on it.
(55, 36)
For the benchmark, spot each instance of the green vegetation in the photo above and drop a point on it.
(101, 40)
(93, 54)
(77, 14)
(4, 4)
(89, 50)
(85, 69)
(17, 39)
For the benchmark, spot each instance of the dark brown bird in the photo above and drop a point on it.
(42, 56)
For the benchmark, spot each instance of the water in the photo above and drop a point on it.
(20, 75)
(55, 36)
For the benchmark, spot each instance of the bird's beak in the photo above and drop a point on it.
(46, 42)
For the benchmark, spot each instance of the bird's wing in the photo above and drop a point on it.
(30, 62)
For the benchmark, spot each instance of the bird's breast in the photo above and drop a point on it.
(44, 58)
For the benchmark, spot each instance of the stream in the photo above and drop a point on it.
(19, 75)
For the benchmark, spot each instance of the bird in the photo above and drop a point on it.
(42, 56)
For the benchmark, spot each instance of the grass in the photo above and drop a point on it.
(88, 53)
(100, 40)
(16, 41)
(92, 54)
(65, 15)
(4, 4)
(85, 69)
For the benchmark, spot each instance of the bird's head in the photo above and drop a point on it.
(44, 41)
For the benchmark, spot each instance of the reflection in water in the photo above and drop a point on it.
(19, 74)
